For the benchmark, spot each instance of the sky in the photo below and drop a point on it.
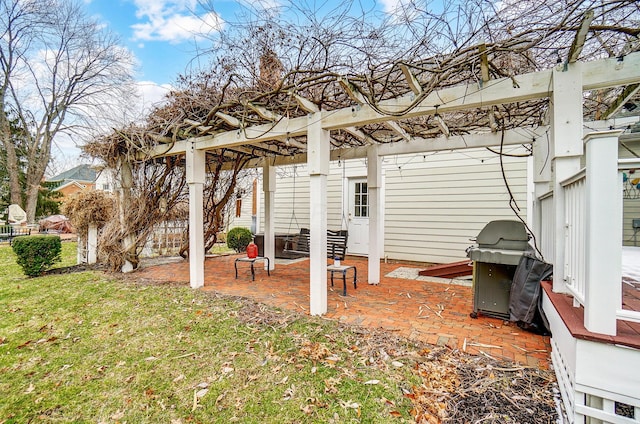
(164, 37)
(162, 34)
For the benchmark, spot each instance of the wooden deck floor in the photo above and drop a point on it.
(628, 333)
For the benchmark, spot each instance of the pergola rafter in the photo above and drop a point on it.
(596, 75)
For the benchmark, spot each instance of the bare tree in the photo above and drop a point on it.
(61, 73)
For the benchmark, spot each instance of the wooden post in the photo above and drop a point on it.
(603, 294)
(81, 250)
(318, 163)
(542, 181)
(269, 188)
(92, 244)
(126, 184)
(195, 173)
(376, 236)
(567, 147)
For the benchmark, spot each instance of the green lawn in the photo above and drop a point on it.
(85, 347)
(89, 347)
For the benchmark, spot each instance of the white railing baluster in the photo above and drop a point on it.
(547, 234)
(575, 196)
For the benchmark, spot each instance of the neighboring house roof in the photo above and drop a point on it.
(69, 184)
(79, 174)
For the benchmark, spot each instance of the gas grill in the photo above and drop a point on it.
(496, 254)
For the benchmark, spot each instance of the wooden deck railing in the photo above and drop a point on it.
(575, 235)
(592, 204)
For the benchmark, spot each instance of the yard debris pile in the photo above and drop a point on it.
(460, 388)
(455, 387)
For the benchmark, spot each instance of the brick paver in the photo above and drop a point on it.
(430, 312)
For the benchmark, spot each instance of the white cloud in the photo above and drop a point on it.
(262, 4)
(151, 94)
(390, 6)
(402, 10)
(173, 21)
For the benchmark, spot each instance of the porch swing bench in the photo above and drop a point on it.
(336, 243)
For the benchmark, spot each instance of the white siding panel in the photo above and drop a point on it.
(335, 219)
(245, 219)
(292, 199)
(436, 203)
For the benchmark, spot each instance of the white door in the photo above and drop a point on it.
(358, 241)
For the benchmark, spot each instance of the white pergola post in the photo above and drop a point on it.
(566, 139)
(542, 178)
(92, 244)
(269, 188)
(376, 239)
(603, 292)
(126, 183)
(318, 162)
(195, 173)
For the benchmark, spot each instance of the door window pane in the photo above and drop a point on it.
(361, 200)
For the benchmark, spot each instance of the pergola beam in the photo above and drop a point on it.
(412, 81)
(352, 91)
(198, 125)
(306, 104)
(358, 134)
(626, 95)
(484, 63)
(484, 73)
(422, 145)
(513, 137)
(581, 36)
(443, 126)
(263, 112)
(292, 142)
(599, 74)
(395, 127)
(231, 120)
(250, 149)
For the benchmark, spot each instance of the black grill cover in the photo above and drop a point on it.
(525, 299)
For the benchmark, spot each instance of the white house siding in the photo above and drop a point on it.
(292, 209)
(291, 206)
(245, 219)
(434, 203)
(105, 180)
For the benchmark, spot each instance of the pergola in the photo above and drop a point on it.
(460, 116)
(514, 90)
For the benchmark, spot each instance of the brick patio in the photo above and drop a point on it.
(431, 312)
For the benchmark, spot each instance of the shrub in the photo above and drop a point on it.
(37, 253)
(239, 238)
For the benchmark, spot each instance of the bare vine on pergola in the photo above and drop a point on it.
(343, 58)
(265, 68)
(151, 191)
